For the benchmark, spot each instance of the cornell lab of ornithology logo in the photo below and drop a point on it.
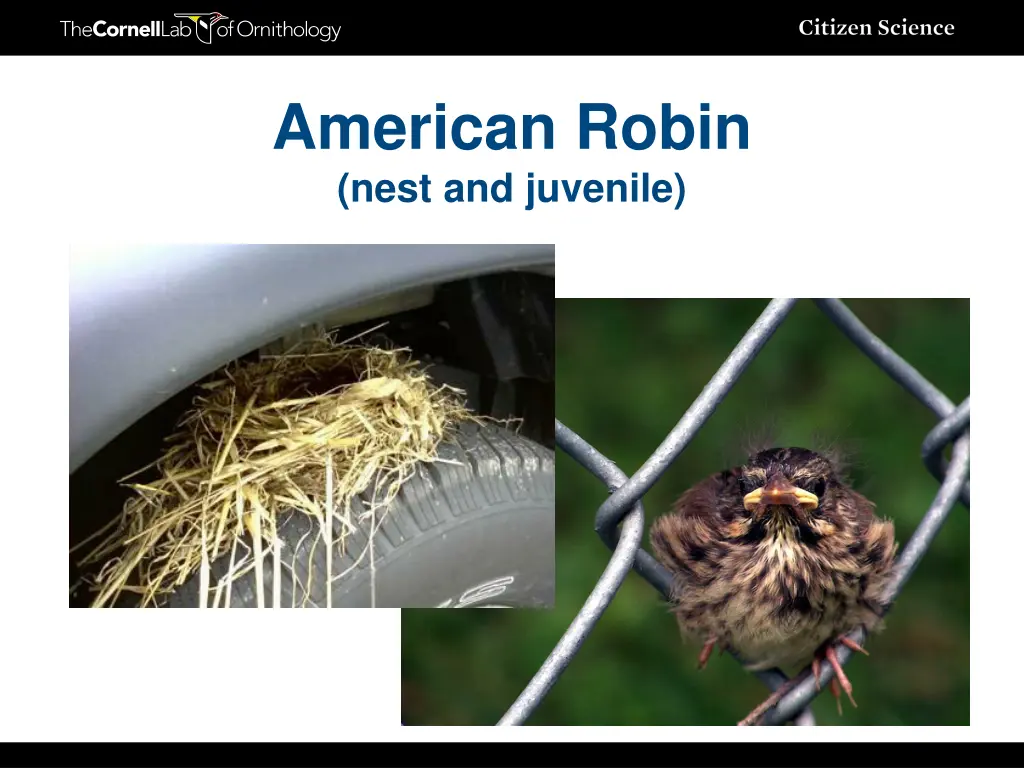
(203, 27)
(189, 25)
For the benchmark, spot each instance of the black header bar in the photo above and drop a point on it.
(321, 30)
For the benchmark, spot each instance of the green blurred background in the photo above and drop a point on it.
(627, 370)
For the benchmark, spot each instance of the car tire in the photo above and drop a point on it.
(476, 529)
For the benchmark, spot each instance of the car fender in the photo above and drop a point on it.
(146, 322)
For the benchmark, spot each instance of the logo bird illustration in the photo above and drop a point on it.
(204, 23)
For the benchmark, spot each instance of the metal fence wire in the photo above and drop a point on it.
(620, 519)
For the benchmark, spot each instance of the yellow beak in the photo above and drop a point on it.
(781, 494)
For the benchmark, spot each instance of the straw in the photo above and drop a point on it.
(307, 431)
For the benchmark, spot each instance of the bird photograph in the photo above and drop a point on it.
(775, 561)
(771, 565)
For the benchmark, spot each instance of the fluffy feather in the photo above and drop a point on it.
(774, 585)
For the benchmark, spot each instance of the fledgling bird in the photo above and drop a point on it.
(776, 561)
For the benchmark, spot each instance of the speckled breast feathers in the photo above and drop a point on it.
(774, 558)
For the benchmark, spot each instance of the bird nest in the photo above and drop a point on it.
(307, 430)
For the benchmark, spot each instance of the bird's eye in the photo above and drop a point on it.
(748, 483)
(816, 486)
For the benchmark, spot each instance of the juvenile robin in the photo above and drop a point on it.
(776, 561)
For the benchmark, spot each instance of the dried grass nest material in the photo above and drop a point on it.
(307, 431)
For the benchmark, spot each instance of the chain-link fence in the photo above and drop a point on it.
(620, 519)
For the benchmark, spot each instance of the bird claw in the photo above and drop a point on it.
(852, 645)
(840, 680)
(705, 652)
(834, 687)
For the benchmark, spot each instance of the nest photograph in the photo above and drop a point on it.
(380, 453)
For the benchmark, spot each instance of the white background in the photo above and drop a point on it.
(864, 177)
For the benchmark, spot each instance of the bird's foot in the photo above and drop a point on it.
(840, 682)
(834, 687)
(852, 645)
(705, 652)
